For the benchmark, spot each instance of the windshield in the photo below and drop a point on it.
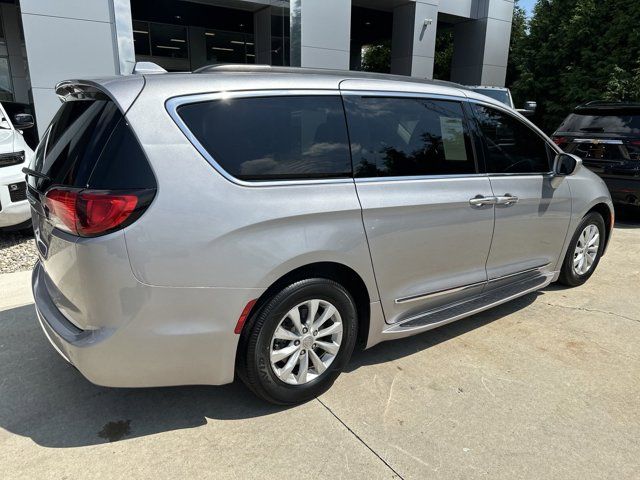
(499, 95)
(618, 123)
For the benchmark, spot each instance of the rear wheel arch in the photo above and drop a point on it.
(338, 272)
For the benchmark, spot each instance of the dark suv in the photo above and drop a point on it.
(606, 136)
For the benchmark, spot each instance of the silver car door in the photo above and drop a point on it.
(532, 215)
(427, 213)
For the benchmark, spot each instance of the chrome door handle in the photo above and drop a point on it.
(507, 199)
(480, 200)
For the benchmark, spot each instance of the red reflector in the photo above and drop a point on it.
(244, 315)
(560, 141)
(88, 212)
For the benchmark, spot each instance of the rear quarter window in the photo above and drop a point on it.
(89, 144)
(273, 138)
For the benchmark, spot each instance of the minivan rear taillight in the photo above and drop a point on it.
(90, 213)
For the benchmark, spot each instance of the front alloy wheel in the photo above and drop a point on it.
(584, 251)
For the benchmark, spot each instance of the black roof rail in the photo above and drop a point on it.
(607, 104)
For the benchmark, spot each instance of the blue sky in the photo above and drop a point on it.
(528, 6)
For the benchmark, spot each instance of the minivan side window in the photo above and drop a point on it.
(273, 138)
(402, 136)
(510, 145)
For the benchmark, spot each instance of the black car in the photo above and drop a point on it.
(606, 135)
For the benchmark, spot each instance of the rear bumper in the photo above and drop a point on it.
(624, 191)
(174, 337)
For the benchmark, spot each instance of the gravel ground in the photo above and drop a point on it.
(17, 251)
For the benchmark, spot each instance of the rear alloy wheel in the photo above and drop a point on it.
(584, 251)
(298, 342)
(306, 342)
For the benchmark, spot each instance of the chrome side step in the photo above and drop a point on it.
(450, 313)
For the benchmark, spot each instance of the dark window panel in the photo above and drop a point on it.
(408, 137)
(273, 138)
(510, 145)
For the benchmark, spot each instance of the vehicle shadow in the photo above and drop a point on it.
(47, 400)
(396, 349)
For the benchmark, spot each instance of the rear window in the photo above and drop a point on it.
(273, 138)
(591, 122)
(90, 144)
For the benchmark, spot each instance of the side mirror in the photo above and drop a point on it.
(564, 165)
(529, 109)
(5, 125)
(22, 121)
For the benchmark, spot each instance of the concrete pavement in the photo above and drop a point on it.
(547, 386)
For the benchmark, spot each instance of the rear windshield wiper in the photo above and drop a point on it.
(592, 129)
(33, 173)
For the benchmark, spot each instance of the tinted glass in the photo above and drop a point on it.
(273, 138)
(499, 95)
(510, 145)
(408, 137)
(122, 163)
(75, 139)
(618, 123)
(90, 144)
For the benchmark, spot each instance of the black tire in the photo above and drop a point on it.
(254, 365)
(568, 276)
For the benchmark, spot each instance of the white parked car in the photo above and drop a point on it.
(15, 154)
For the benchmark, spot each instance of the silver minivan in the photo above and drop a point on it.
(264, 221)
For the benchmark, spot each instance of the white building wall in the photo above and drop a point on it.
(68, 39)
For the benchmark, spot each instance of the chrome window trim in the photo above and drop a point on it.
(417, 178)
(438, 293)
(396, 94)
(172, 105)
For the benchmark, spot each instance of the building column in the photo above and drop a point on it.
(262, 35)
(413, 40)
(320, 33)
(481, 45)
(74, 39)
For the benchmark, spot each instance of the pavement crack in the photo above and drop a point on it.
(360, 439)
(592, 310)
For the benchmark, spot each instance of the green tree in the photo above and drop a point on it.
(576, 51)
(444, 53)
(517, 51)
(377, 57)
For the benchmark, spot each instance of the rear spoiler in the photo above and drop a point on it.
(122, 90)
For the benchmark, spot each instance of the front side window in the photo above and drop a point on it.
(510, 145)
(408, 137)
(273, 138)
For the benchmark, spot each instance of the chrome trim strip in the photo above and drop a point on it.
(174, 103)
(438, 293)
(448, 291)
(516, 274)
(597, 141)
(394, 94)
(419, 177)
